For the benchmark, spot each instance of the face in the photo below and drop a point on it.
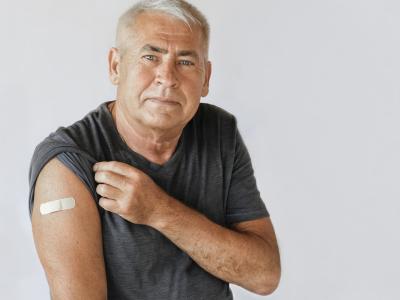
(161, 73)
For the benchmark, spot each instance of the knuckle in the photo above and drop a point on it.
(125, 207)
(106, 176)
(132, 173)
(98, 189)
(136, 176)
(138, 179)
(127, 184)
(101, 176)
(113, 165)
(101, 188)
(129, 189)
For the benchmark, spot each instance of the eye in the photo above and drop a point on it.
(150, 57)
(186, 63)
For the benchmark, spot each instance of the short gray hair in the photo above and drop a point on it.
(179, 9)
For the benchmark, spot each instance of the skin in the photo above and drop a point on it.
(248, 255)
(161, 74)
(69, 243)
(158, 92)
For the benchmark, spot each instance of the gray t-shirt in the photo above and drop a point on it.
(210, 171)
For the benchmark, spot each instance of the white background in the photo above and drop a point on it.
(315, 87)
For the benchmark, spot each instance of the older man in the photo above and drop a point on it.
(162, 200)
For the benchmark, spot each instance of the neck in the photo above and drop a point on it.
(154, 144)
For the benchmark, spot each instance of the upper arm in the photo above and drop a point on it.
(69, 242)
(244, 200)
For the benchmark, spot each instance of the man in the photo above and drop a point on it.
(163, 203)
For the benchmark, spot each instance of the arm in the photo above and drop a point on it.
(69, 243)
(247, 256)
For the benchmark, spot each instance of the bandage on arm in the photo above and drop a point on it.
(68, 238)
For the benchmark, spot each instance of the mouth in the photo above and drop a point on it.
(163, 101)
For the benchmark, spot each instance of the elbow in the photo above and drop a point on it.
(269, 284)
(267, 289)
(64, 285)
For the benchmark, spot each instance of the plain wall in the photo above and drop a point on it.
(315, 88)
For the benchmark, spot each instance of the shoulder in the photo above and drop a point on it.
(212, 111)
(213, 129)
(77, 137)
(84, 132)
(215, 120)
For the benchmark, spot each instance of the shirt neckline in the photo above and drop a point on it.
(152, 166)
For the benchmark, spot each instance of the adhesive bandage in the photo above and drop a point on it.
(57, 205)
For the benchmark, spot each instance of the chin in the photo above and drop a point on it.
(161, 122)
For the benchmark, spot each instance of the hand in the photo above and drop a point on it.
(128, 192)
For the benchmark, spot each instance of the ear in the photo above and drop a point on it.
(113, 65)
(206, 85)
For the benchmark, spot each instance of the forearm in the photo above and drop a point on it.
(236, 257)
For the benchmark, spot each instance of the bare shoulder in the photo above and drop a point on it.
(68, 242)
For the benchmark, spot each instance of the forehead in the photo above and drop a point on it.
(160, 27)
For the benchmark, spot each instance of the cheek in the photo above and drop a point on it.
(137, 79)
(197, 79)
(192, 92)
(141, 72)
(193, 86)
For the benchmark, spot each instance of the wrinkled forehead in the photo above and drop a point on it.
(155, 26)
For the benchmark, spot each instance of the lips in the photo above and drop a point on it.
(162, 100)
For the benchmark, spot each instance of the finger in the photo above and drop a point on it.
(108, 191)
(116, 167)
(107, 177)
(108, 204)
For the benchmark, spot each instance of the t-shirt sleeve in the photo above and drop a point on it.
(81, 167)
(244, 200)
(76, 160)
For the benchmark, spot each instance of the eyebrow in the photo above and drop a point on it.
(149, 47)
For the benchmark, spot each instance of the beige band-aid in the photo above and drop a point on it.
(57, 205)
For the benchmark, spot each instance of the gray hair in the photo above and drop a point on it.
(179, 9)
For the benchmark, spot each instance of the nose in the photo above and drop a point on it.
(166, 75)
